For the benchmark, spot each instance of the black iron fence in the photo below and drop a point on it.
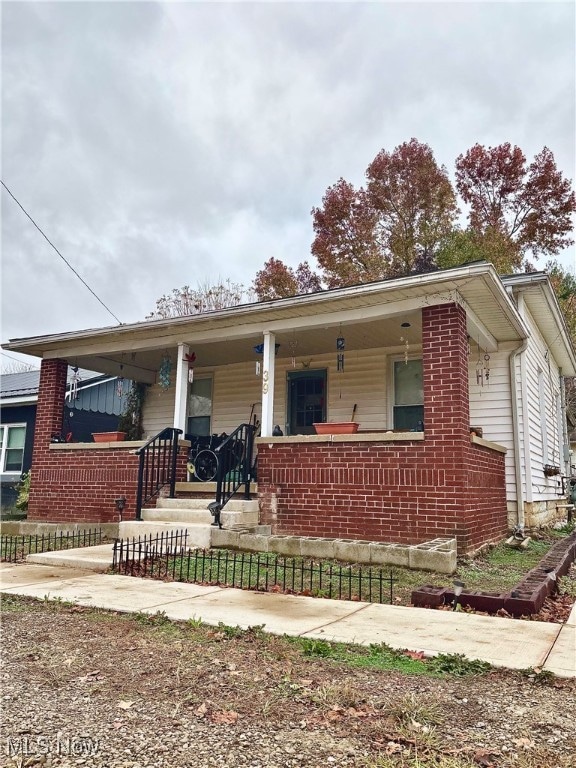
(169, 557)
(14, 549)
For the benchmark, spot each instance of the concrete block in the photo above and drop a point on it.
(254, 542)
(351, 551)
(285, 545)
(431, 560)
(311, 546)
(388, 554)
(225, 539)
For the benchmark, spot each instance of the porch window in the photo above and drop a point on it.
(200, 406)
(408, 408)
(306, 401)
(12, 437)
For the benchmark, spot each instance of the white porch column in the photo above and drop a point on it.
(181, 391)
(268, 361)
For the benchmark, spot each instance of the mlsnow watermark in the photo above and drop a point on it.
(60, 745)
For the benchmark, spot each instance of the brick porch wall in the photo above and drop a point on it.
(402, 492)
(74, 485)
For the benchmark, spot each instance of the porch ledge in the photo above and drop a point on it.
(359, 437)
(488, 444)
(133, 444)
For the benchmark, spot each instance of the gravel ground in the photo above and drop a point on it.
(90, 688)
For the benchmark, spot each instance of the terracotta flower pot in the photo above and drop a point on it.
(108, 437)
(336, 428)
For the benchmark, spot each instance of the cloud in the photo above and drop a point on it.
(162, 144)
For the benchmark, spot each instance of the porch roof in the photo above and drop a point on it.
(370, 315)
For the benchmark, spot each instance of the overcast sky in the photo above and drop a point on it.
(165, 144)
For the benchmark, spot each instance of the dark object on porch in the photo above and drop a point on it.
(202, 459)
(277, 432)
(525, 599)
(168, 556)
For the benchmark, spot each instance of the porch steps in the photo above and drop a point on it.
(209, 488)
(188, 512)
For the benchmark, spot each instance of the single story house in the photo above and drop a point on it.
(93, 403)
(454, 378)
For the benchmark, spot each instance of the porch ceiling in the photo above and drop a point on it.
(370, 316)
(310, 342)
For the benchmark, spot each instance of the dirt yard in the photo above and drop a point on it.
(89, 688)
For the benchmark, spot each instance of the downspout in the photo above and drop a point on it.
(515, 396)
(565, 442)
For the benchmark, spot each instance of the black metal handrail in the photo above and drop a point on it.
(234, 468)
(157, 467)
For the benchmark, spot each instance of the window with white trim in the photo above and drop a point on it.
(200, 406)
(408, 401)
(12, 440)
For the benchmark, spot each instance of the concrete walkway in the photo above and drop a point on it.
(513, 644)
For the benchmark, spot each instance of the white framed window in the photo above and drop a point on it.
(407, 389)
(12, 440)
(200, 406)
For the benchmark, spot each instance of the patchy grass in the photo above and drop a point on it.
(496, 570)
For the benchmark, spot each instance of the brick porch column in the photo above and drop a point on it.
(445, 373)
(49, 420)
(447, 412)
(50, 409)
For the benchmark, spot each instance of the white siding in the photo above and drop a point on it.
(158, 410)
(236, 387)
(491, 406)
(539, 362)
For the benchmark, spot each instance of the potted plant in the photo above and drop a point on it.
(336, 428)
(108, 437)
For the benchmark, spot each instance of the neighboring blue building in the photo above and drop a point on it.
(93, 404)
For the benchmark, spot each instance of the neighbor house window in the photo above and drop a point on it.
(200, 406)
(12, 437)
(408, 403)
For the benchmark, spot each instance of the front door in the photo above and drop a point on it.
(306, 401)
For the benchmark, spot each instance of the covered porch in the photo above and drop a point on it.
(393, 357)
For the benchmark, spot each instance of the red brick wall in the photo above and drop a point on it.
(74, 485)
(404, 492)
(80, 485)
(486, 485)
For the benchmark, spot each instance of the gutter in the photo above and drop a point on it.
(433, 281)
(565, 441)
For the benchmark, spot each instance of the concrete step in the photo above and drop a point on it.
(234, 505)
(185, 517)
(199, 533)
(97, 559)
(206, 488)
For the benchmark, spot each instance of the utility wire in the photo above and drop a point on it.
(59, 254)
(4, 354)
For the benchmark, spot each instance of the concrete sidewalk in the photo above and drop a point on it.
(513, 644)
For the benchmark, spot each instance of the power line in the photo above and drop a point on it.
(59, 254)
(5, 354)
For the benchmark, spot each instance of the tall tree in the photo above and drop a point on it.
(346, 245)
(414, 203)
(276, 280)
(393, 227)
(564, 285)
(531, 206)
